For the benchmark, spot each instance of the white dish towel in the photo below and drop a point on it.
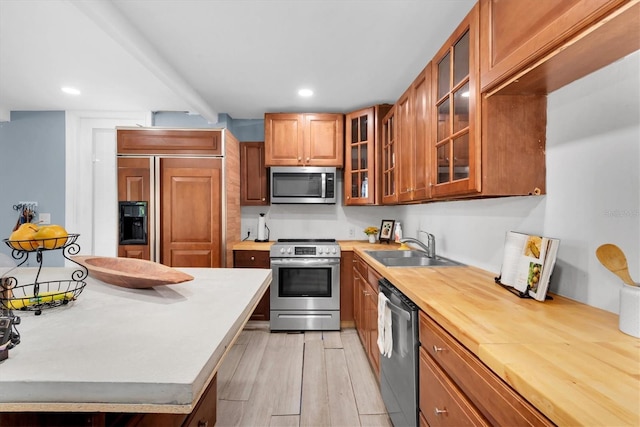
(385, 338)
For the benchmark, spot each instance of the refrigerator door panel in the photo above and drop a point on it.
(191, 212)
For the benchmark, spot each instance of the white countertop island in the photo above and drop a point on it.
(128, 350)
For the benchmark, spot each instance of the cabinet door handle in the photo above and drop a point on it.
(253, 258)
(263, 199)
(437, 349)
(308, 158)
(299, 159)
(439, 412)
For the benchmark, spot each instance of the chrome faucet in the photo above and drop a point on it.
(429, 248)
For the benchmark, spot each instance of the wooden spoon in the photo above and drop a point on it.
(613, 258)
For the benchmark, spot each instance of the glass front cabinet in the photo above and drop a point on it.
(363, 130)
(456, 133)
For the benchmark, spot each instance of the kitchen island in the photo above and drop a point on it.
(128, 351)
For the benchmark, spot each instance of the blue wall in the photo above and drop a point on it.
(32, 168)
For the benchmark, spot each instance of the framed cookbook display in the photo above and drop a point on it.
(386, 230)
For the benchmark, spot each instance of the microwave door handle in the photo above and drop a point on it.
(324, 184)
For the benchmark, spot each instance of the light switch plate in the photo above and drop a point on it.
(44, 218)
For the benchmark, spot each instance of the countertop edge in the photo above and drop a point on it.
(198, 386)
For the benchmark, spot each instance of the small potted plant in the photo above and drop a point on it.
(371, 232)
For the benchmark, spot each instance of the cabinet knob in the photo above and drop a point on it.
(263, 199)
(299, 159)
(253, 258)
(437, 349)
(439, 412)
(203, 423)
(348, 197)
(308, 158)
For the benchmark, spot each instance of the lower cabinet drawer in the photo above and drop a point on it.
(251, 259)
(441, 402)
(495, 399)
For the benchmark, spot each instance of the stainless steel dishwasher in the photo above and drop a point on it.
(399, 373)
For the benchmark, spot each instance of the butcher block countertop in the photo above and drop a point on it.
(128, 350)
(567, 359)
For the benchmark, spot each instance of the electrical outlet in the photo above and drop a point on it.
(352, 232)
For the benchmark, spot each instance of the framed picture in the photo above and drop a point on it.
(386, 230)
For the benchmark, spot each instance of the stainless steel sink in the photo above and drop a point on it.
(396, 254)
(410, 258)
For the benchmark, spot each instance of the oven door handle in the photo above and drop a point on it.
(297, 262)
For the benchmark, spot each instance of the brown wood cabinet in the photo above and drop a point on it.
(365, 309)
(441, 402)
(414, 139)
(195, 203)
(170, 141)
(537, 48)
(362, 151)
(346, 289)
(255, 259)
(254, 188)
(389, 167)
(482, 146)
(134, 184)
(191, 220)
(304, 139)
(456, 388)
(456, 116)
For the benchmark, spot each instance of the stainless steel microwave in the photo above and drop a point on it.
(303, 184)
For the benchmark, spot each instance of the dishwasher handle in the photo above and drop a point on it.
(399, 310)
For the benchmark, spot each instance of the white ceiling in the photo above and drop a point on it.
(240, 57)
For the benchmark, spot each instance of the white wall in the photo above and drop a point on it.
(593, 195)
(318, 221)
(593, 191)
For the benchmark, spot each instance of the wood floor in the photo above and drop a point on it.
(298, 379)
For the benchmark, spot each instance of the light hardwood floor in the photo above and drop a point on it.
(298, 379)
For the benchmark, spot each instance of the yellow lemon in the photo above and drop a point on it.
(22, 238)
(51, 236)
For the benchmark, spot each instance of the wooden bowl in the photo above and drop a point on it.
(131, 272)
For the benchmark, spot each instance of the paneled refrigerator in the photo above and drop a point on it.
(178, 196)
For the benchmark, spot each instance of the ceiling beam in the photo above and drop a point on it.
(114, 24)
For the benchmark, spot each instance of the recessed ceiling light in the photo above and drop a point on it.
(305, 92)
(70, 90)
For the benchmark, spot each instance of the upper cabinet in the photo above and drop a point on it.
(414, 139)
(538, 48)
(482, 146)
(362, 148)
(170, 141)
(455, 113)
(388, 167)
(304, 139)
(254, 190)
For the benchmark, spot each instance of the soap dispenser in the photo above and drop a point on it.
(398, 232)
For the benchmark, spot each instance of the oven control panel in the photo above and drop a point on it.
(312, 251)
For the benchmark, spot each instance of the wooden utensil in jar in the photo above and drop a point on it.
(614, 259)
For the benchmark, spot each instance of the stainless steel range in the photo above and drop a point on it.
(305, 292)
